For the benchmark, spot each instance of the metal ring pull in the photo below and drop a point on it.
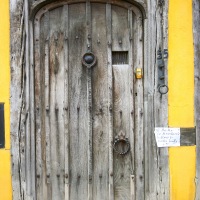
(160, 87)
(89, 60)
(120, 139)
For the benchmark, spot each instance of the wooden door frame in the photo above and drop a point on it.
(155, 161)
(196, 36)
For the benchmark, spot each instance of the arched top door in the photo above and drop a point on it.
(82, 113)
(44, 6)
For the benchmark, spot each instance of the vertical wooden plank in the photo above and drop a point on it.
(16, 18)
(53, 136)
(122, 100)
(46, 114)
(40, 103)
(66, 99)
(60, 88)
(150, 160)
(47, 105)
(78, 107)
(89, 103)
(139, 110)
(57, 102)
(131, 103)
(100, 103)
(28, 114)
(41, 89)
(150, 146)
(162, 105)
(22, 122)
(38, 106)
(196, 31)
(156, 160)
(120, 41)
(32, 115)
(110, 98)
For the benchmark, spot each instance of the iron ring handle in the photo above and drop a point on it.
(163, 86)
(89, 60)
(117, 141)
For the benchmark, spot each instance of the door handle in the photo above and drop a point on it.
(121, 140)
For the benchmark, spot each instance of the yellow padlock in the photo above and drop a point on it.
(138, 73)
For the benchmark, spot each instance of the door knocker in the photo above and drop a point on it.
(121, 141)
(89, 60)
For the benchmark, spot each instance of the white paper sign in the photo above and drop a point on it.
(167, 137)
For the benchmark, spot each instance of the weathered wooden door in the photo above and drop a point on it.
(79, 111)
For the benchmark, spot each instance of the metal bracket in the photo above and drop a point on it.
(161, 55)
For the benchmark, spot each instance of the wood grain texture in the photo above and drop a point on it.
(122, 98)
(110, 99)
(46, 107)
(38, 107)
(35, 5)
(31, 183)
(156, 160)
(89, 103)
(123, 165)
(16, 100)
(139, 108)
(64, 162)
(100, 103)
(120, 32)
(27, 146)
(78, 103)
(66, 98)
(196, 31)
(57, 102)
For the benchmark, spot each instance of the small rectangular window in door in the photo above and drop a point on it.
(120, 57)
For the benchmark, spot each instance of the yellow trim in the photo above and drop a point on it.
(5, 168)
(5, 177)
(5, 65)
(181, 97)
(182, 173)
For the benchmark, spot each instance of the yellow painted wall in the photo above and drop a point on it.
(5, 168)
(181, 97)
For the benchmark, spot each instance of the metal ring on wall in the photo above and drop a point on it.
(163, 86)
(118, 141)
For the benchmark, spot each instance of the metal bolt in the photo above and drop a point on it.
(66, 108)
(131, 112)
